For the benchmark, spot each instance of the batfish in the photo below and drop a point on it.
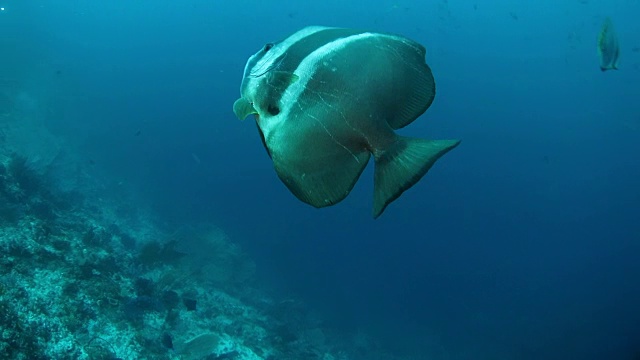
(608, 47)
(326, 99)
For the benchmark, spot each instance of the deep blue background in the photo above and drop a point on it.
(522, 243)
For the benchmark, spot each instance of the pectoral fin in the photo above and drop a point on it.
(282, 79)
(243, 108)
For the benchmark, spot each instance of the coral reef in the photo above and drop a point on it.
(87, 272)
(78, 282)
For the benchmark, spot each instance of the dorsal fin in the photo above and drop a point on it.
(423, 91)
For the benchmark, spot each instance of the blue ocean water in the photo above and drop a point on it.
(522, 243)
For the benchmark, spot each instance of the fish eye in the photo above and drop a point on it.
(268, 46)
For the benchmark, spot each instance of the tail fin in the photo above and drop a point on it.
(402, 165)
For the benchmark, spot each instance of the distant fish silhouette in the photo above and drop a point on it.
(608, 47)
(138, 133)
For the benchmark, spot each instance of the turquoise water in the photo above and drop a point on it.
(521, 243)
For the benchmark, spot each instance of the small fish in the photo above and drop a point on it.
(608, 47)
(326, 99)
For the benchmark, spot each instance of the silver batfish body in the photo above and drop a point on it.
(327, 99)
